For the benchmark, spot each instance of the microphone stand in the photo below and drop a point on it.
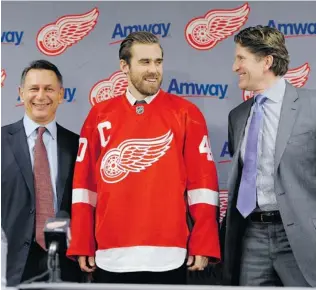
(53, 263)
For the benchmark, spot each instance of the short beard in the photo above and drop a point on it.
(149, 91)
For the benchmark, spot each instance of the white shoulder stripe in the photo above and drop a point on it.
(203, 195)
(85, 196)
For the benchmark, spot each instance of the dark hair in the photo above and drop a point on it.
(263, 41)
(143, 37)
(41, 64)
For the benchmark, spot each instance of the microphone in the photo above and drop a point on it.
(57, 235)
(57, 231)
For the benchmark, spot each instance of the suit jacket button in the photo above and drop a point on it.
(26, 243)
(31, 210)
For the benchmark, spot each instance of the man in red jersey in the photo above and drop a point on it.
(143, 157)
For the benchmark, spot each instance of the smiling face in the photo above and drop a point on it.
(145, 71)
(251, 70)
(41, 94)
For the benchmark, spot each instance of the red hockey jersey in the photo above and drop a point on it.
(134, 165)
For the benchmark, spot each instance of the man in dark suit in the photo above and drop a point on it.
(37, 163)
(270, 225)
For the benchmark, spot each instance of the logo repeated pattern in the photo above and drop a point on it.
(54, 38)
(108, 88)
(205, 32)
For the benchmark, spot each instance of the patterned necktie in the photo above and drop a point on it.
(140, 102)
(43, 187)
(247, 194)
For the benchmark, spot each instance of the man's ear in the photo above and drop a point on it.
(268, 62)
(124, 66)
(21, 94)
(61, 96)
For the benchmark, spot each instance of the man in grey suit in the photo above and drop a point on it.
(36, 175)
(270, 226)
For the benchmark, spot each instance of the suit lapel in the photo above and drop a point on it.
(287, 120)
(20, 148)
(64, 162)
(242, 118)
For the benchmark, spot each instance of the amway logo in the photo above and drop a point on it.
(159, 29)
(195, 90)
(69, 96)
(12, 37)
(225, 154)
(295, 29)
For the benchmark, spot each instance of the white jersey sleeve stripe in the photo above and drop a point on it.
(203, 195)
(84, 196)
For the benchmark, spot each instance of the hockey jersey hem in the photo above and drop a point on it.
(140, 258)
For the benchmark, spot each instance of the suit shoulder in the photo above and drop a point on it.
(5, 129)
(11, 127)
(307, 97)
(309, 93)
(70, 134)
(239, 108)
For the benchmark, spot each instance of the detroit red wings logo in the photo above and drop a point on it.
(109, 88)
(3, 76)
(133, 156)
(54, 38)
(216, 25)
(296, 76)
(223, 199)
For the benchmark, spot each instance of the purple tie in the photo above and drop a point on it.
(247, 194)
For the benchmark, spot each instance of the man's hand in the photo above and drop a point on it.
(84, 266)
(200, 263)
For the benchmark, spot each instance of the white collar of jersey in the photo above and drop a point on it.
(132, 100)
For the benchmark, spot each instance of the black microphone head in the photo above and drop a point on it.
(62, 214)
(57, 230)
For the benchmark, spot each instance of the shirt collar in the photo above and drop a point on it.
(30, 126)
(276, 92)
(132, 100)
